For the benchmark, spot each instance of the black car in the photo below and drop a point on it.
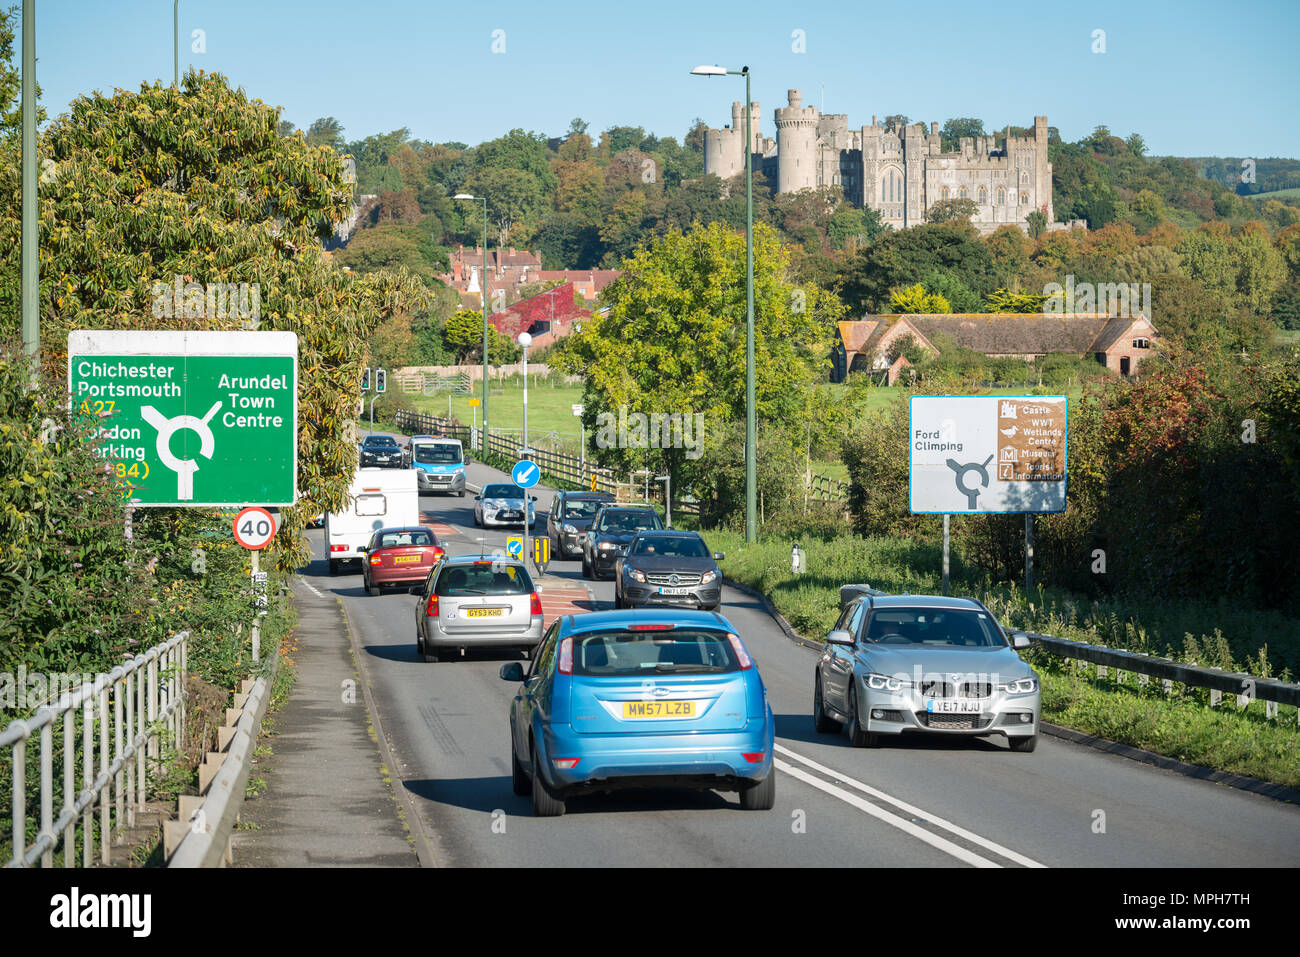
(668, 568)
(569, 518)
(382, 451)
(611, 531)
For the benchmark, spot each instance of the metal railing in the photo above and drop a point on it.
(123, 711)
(827, 489)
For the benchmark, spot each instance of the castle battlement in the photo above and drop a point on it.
(900, 173)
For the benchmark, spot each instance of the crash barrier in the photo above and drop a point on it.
(125, 715)
(1219, 682)
(201, 835)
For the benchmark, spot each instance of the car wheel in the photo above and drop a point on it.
(460, 494)
(759, 795)
(586, 566)
(1024, 744)
(374, 590)
(857, 737)
(546, 803)
(821, 722)
(334, 566)
(519, 781)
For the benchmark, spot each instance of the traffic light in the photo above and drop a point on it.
(365, 380)
(380, 377)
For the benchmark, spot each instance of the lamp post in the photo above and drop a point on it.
(31, 287)
(483, 446)
(525, 340)
(751, 430)
(176, 43)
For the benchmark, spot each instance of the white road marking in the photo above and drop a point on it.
(910, 809)
(312, 588)
(906, 826)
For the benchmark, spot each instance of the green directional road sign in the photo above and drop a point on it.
(192, 418)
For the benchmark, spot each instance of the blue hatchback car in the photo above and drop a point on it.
(645, 698)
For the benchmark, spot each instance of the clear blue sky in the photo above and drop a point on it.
(1194, 78)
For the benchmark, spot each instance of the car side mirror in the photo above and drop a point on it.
(512, 671)
(363, 548)
(532, 498)
(719, 556)
(839, 637)
(417, 590)
(1019, 639)
(477, 497)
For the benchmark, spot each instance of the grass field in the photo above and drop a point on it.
(1287, 337)
(1291, 193)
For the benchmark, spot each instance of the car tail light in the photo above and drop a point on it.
(649, 627)
(535, 605)
(376, 560)
(566, 657)
(565, 763)
(438, 554)
(754, 757)
(338, 548)
(745, 661)
(431, 609)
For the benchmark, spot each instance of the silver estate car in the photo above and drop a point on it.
(473, 601)
(897, 664)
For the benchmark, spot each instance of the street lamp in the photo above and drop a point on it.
(525, 340)
(751, 439)
(176, 43)
(483, 446)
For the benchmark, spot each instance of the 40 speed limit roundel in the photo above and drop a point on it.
(254, 527)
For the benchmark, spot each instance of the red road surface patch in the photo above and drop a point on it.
(441, 529)
(557, 602)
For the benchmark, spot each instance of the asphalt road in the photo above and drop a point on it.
(915, 802)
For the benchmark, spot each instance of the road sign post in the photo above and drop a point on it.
(254, 528)
(526, 474)
(192, 419)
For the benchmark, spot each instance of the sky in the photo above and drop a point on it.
(1194, 78)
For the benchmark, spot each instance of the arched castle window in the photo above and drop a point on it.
(943, 193)
(1002, 196)
(963, 193)
(1024, 199)
(983, 196)
(1024, 176)
(891, 187)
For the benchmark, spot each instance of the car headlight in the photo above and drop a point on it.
(606, 546)
(708, 577)
(885, 682)
(569, 530)
(1020, 686)
(635, 575)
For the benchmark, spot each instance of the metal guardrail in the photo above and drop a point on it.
(827, 489)
(122, 711)
(1245, 686)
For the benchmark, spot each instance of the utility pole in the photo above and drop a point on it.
(31, 272)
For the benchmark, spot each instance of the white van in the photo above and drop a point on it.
(379, 498)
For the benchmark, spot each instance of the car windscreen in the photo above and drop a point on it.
(683, 547)
(628, 521)
(675, 651)
(384, 440)
(486, 578)
(404, 538)
(581, 508)
(438, 454)
(947, 627)
(502, 491)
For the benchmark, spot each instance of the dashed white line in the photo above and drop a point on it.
(911, 809)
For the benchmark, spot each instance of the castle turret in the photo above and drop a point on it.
(796, 133)
(724, 150)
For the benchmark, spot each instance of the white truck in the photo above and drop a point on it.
(378, 498)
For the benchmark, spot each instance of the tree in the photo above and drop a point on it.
(951, 211)
(1004, 300)
(169, 198)
(673, 340)
(1037, 220)
(464, 333)
(326, 131)
(578, 126)
(903, 257)
(516, 198)
(954, 129)
(1136, 145)
(896, 121)
(854, 228)
(916, 299)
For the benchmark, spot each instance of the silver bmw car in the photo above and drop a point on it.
(898, 664)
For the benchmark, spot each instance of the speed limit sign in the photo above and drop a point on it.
(254, 528)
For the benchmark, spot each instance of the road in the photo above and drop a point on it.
(914, 802)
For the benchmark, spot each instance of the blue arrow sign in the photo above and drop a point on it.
(515, 546)
(525, 473)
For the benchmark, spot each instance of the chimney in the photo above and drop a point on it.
(934, 128)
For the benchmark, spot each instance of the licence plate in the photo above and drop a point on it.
(674, 591)
(407, 559)
(484, 612)
(658, 709)
(952, 706)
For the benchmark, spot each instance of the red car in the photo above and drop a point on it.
(399, 557)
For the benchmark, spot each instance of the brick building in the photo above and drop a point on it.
(547, 316)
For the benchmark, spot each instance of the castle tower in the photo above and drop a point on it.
(796, 136)
(1043, 167)
(724, 150)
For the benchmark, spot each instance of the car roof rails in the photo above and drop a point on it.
(850, 593)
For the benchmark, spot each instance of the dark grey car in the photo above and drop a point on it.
(569, 518)
(668, 568)
(611, 532)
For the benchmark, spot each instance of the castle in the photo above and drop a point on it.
(898, 172)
